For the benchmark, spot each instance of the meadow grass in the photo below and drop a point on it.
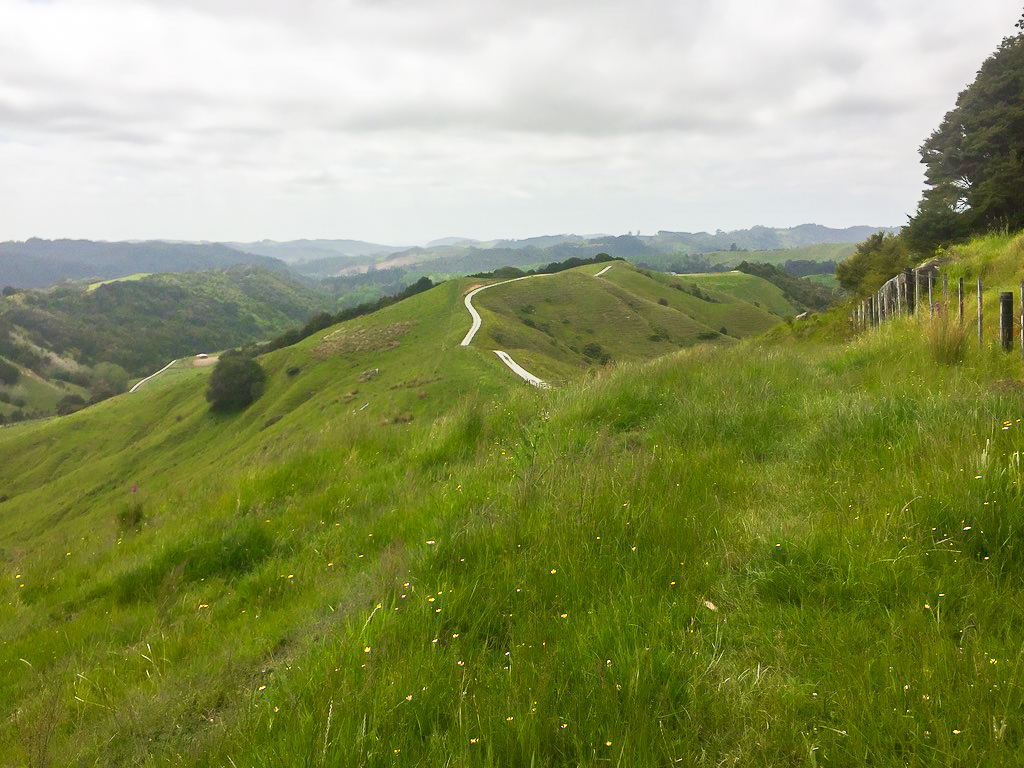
(759, 554)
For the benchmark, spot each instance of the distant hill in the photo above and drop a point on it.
(39, 263)
(450, 257)
(452, 241)
(544, 241)
(141, 324)
(762, 238)
(297, 251)
(42, 263)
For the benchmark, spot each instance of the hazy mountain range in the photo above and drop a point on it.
(38, 263)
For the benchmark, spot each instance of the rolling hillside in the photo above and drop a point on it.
(39, 263)
(561, 323)
(736, 553)
(58, 337)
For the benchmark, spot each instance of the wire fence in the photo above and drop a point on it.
(915, 292)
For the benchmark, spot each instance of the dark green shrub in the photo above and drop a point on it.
(8, 373)
(595, 351)
(235, 383)
(663, 302)
(69, 404)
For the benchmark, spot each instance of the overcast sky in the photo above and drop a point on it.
(400, 121)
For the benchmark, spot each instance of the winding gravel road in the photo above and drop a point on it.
(476, 315)
(515, 367)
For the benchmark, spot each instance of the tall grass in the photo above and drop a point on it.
(946, 339)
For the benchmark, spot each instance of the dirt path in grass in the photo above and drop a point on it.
(197, 362)
(152, 375)
(476, 315)
(515, 367)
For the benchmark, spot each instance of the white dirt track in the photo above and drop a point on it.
(515, 367)
(140, 383)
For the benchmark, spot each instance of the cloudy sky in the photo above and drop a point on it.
(400, 121)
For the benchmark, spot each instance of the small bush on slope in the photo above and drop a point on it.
(235, 383)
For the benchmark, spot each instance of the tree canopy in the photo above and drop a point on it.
(975, 159)
(236, 382)
(876, 260)
(8, 373)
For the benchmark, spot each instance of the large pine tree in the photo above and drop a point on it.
(975, 158)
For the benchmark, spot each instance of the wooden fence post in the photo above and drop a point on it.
(945, 293)
(981, 335)
(908, 278)
(1006, 320)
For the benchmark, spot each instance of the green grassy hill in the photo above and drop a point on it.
(559, 324)
(32, 395)
(823, 252)
(140, 324)
(829, 281)
(744, 553)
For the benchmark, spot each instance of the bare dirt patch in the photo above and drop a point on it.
(202, 362)
(346, 341)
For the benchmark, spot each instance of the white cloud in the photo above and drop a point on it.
(400, 121)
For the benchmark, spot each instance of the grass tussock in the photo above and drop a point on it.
(946, 339)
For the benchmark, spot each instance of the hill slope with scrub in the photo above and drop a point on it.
(750, 553)
(58, 338)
